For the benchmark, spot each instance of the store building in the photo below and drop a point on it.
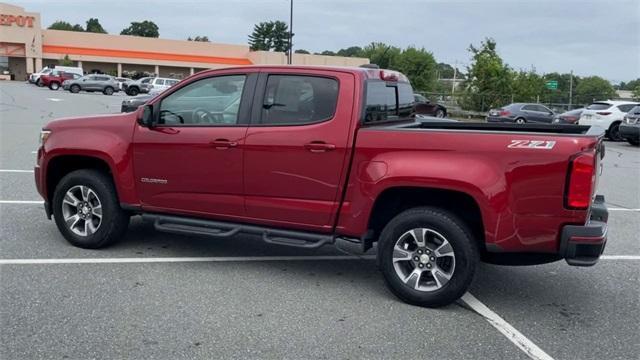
(25, 48)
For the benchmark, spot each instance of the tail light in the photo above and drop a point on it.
(605, 113)
(581, 181)
(504, 113)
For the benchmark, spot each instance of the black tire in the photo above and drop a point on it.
(440, 113)
(39, 83)
(133, 91)
(54, 85)
(114, 221)
(456, 233)
(108, 90)
(521, 120)
(75, 88)
(614, 132)
(633, 142)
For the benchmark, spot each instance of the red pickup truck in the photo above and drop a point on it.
(55, 79)
(308, 156)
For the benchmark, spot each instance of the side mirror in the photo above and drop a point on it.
(146, 116)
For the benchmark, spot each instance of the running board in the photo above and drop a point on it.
(218, 229)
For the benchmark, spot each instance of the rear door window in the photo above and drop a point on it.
(598, 106)
(298, 100)
(529, 108)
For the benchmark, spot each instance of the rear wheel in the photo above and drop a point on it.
(75, 89)
(614, 132)
(108, 90)
(132, 91)
(86, 210)
(521, 121)
(428, 257)
(54, 86)
(39, 83)
(633, 142)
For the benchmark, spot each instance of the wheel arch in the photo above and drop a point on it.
(61, 165)
(394, 200)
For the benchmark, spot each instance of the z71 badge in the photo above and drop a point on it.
(532, 144)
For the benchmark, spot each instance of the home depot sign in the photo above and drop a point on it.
(22, 21)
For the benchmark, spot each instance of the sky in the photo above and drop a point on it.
(590, 37)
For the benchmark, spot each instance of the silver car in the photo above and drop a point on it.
(94, 82)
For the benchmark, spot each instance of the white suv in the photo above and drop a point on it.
(158, 85)
(607, 115)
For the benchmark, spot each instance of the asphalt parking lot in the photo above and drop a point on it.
(156, 295)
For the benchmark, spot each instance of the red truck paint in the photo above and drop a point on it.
(58, 77)
(271, 177)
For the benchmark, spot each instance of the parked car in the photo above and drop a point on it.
(206, 158)
(104, 83)
(607, 115)
(55, 78)
(35, 77)
(521, 113)
(158, 85)
(630, 127)
(132, 104)
(424, 106)
(135, 87)
(121, 81)
(569, 117)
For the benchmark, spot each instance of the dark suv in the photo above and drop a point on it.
(521, 113)
(630, 126)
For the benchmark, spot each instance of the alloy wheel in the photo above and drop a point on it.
(82, 210)
(423, 259)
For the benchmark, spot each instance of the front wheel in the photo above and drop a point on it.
(39, 83)
(521, 121)
(86, 210)
(614, 132)
(427, 256)
(75, 89)
(132, 91)
(633, 142)
(108, 90)
(54, 86)
(440, 113)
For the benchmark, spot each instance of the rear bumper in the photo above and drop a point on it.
(582, 245)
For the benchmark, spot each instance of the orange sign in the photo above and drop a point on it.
(22, 21)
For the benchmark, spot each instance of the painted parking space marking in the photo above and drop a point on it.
(620, 257)
(55, 99)
(15, 171)
(21, 201)
(522, 342)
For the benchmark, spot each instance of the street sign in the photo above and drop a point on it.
(552, 84)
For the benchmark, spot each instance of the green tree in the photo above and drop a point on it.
(301, 51)
(199, 38)
(420, 67)
(93, 26)
(65, 26)
(145, 29)
(270, 35)
(489, 79)
(65, 61)
(636, 93)
(327, 53)
(527, 86)
(381, 54)
(593, 88)
(631, 85)
(352, 51)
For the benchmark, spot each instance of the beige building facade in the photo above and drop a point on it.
(26, 48)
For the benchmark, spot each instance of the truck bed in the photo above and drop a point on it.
(499, 127)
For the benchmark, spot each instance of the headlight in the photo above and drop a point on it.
(44, 135)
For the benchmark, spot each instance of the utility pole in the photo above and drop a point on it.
(291, 34)
(455, 72)
(570, 88)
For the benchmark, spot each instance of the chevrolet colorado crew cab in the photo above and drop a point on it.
(308, 156)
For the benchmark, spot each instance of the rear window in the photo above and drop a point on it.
(598, 106)
(635, 110)
(626, 107)
(388, 101)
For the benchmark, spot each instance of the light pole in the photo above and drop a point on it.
(291, 33)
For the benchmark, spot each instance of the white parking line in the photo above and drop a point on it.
(623, 209)
(15, 171)
(180, 259)
(532, 350)
(620, 257)
(21, 201)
